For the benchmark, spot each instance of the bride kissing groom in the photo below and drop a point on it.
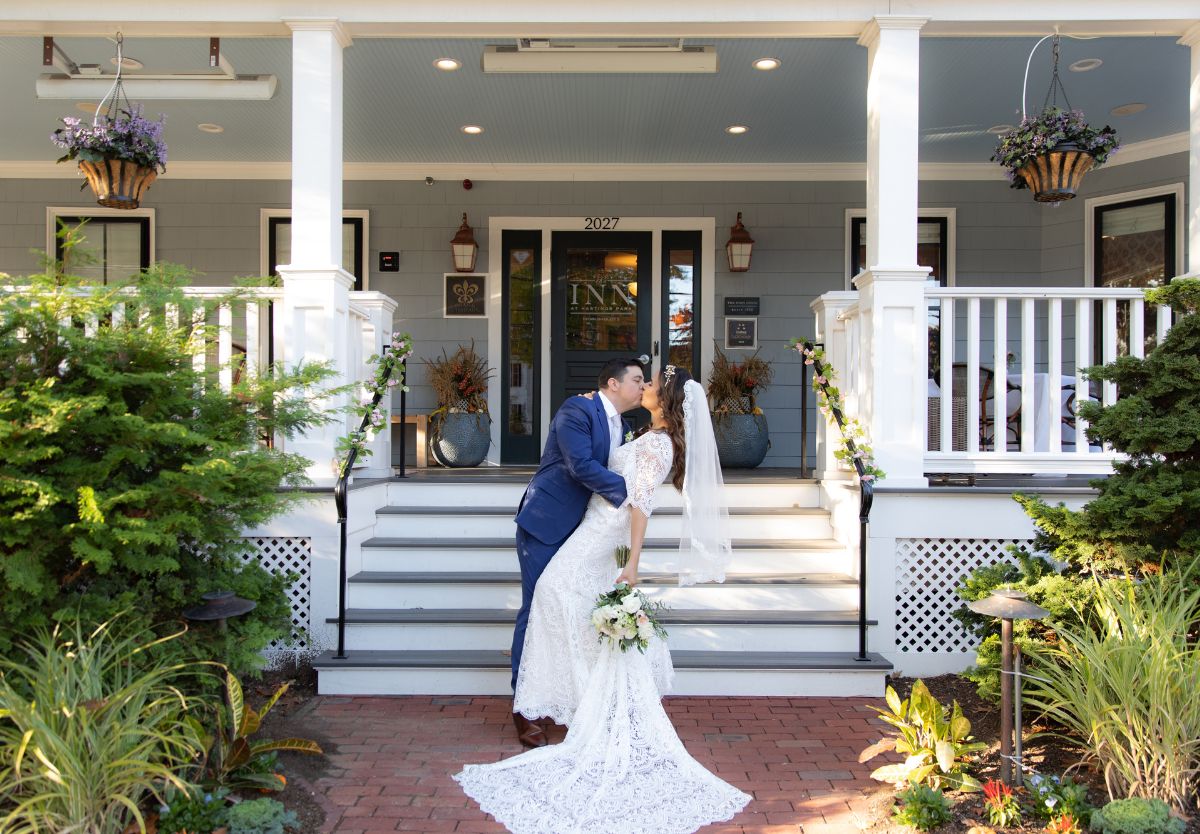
(622, 768)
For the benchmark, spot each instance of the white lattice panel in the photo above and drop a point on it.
(282, 556)
(927, 572)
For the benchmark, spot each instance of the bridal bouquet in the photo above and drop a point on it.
(624, 617)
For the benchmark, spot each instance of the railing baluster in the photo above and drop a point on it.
(1137, 327)
(1000, 365)
(1053, 402)
(253, 336)
(225, 345)
(199, 343)
(1028, 354)
(1163, 323)
(171, 315)
(946, 380)
(973, 374)
(1109, 346)
(1083, 359)
(118, 315)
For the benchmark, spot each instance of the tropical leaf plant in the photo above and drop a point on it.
(935, 741)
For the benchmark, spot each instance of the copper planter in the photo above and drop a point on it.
(116, 183)
(1055, 176)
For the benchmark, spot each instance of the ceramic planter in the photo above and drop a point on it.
(116, 183)
(742, 439)
(461, 439)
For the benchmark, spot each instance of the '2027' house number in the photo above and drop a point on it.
(596, 224)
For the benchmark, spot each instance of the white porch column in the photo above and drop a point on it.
(315, 287)
(894, 353)
(831, 331)
(375, 336)
(1191, 39)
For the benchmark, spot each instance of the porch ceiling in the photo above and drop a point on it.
(399, 109)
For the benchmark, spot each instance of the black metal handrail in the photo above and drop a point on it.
(866, 490)
(342, 485)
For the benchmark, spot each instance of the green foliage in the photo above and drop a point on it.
(935, 742)
(1047, 130)
(1126, 688)
(126, 475)
(1001, 805)
(921, 807)
(91, 724)
(193, 811)
(233, 759)
(260, 816)
(1054, 796)
(1136, 816)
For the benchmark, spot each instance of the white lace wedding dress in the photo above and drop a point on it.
(622, 769)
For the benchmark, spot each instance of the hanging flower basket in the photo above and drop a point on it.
(117, 183)
(1050, 153)
(1055, 176)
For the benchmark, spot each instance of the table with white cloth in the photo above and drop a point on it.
(1008, 425)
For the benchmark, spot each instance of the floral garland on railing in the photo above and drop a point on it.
(389, 375)
(854, 445)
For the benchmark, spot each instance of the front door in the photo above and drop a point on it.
(598, 311)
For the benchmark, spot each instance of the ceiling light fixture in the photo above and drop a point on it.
(209, 127)
(1085, 65)
(88, 107)
(767, 64)
(448, 64)
(736, 130)
(127, 63)
(548, 55)
(999, 130)
(1128, 109)
(472, 130)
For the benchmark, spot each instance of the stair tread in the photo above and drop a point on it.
(508, 543)
(496, 659)
(511, 577)
(681, 616)
(509, 511)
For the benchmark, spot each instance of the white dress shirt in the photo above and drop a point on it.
(615, 427)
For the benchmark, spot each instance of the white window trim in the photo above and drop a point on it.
(55, 212)
(1089, 224)
(264, 230)
(951, 215)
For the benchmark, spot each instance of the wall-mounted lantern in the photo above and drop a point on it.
(464, 248)
(740, 247)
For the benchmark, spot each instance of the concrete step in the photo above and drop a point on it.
(484, 672)
(507, 491)
(759, 522)
(750, 555)
(687, 629)
(462, 589)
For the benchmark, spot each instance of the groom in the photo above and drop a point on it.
(583, 434)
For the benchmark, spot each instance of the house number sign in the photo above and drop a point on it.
(596, 224)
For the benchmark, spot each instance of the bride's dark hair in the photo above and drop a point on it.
(671, 396)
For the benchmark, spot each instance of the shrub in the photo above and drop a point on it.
(1054, 797)
(1002, 807)
(921, 807)
(192, 812)
(934, 741)
(260, 816)
(1136, 816)
(91, 724)
(125, 480)
(1126, 690)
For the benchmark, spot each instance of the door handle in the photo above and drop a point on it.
(644, 359)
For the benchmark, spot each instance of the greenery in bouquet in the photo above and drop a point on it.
(460, 382)
(625, 618)
(128, 136)
(1040, 134)
(734, 386)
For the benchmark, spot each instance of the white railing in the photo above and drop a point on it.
(229, 322)
(1024, 419)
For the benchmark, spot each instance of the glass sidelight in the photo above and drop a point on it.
(520, 376)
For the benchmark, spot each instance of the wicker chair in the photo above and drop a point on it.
(958, 411)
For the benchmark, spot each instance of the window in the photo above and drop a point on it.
(935, 245)
(277, 229)
(1134, 241)
(117, 245)
(681, 297)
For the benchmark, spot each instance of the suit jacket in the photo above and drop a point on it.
(573, 467)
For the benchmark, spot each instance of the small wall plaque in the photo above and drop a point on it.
(389, 261)
(741, 305)
(465, 295)
(741, 333)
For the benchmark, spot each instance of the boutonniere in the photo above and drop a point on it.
(628, 436)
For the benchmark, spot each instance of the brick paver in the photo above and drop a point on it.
(394, 756)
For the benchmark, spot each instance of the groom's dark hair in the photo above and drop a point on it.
(616, 369)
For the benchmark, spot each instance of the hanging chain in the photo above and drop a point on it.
(110, 105)
(1056, 84)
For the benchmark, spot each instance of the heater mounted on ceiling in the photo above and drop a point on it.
(547, 55)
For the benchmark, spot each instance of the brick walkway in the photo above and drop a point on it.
(394, 757)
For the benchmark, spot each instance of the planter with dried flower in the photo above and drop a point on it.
(741, 426)
(460, 428)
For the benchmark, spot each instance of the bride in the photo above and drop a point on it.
(621, 769)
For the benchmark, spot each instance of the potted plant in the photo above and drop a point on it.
(741, 426)
(460, 428)
(120, 155)
(1049, 153)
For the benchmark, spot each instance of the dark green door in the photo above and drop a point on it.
(601, 298)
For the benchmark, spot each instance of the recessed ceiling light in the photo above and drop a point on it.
(472, 130)
(209, 127)
(1085, 64)
(448, 64)
(999, 129)
(87, 107)
(127, 63)
(736, 130)
(767, 64)
(1128, 109)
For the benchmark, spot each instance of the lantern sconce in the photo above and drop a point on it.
(740, 247)
(464, 248)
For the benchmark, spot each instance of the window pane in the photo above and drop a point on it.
(522, 286)
(601, 299)
(1133, 245)
(122, 251)
(929, 249)
(110, 251)
(283, 246)
(680, 309)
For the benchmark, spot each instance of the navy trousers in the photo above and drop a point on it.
(534, 555)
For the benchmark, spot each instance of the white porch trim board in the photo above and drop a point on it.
(1191, 39)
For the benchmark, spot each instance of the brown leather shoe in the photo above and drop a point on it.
(528, 733)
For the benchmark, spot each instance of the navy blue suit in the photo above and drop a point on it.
(573, 468)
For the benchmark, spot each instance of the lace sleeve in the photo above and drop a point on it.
(647, 467)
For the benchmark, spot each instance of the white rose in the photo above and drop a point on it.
(632, 604)
(645, 630)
